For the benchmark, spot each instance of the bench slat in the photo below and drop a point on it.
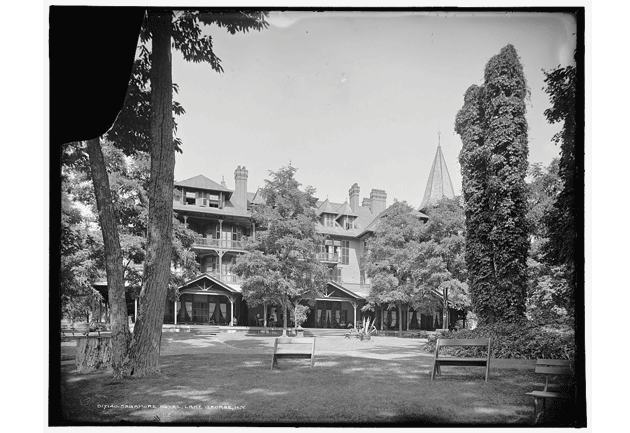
(463, 342)
(562, 371)
(549, 394)
(551, 362)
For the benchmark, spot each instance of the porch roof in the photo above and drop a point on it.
(343, 290)
(204, 283)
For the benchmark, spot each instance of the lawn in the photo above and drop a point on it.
(226, 379)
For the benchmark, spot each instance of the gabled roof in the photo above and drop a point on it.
(439, 184)
(345, 209)
(343, 290)
(203, 280)
(370, 228)
(325, 207)
(202, 182)
(256, 198)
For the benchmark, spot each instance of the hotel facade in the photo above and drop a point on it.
(221, 217)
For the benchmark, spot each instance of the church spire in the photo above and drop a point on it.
(439, 185)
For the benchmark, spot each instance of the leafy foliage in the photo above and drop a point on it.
(560, 219)
(82, 254)
(493, 130)
(409, 261)
(280, 264)
(521, 339)
(549, 297)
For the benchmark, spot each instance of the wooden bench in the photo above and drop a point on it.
(287, 347)
(552, 368)
(460, 361)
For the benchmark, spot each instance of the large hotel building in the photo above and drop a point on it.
(221, 217)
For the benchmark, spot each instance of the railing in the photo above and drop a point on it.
(328, 257)
(229, 278)
(218, 243)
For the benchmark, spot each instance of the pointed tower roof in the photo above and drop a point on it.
(439, 185)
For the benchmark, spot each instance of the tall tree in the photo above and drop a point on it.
(493, 129)
(562, 227)
(281, 263)
(392, 258)
(445, 228)
(182, 30)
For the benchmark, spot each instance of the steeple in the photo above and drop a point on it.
(439, 185)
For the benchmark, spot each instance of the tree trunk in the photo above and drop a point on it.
(399, 321)
(265, 316)
(284, 319)
(94, 354)
(113, 256)
(445, 311)
(145, 345)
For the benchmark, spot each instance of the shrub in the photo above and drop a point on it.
(520, 340)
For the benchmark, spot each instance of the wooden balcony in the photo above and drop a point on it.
(229, 278)
(328, 257)
(222, 244)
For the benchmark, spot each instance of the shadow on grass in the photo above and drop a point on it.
(242, 389)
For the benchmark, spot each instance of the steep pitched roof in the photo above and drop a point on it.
(202, 182)
(325, 207)
(439, 184)
(345, 209)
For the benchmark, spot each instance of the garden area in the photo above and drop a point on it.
(226, 379)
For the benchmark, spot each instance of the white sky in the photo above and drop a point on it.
(356, 96)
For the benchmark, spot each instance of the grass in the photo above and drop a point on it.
(226, 379)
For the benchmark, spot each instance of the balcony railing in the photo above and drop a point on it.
(328, 257)
(229, 278)
(218, 243)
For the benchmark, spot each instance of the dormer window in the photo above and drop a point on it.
(329, 220)
(350, 222)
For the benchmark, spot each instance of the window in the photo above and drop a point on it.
(335, 274)
(191, 198)
(214, 200)
(345, 252)
(236, 233)
(329, 220)
(349, 222)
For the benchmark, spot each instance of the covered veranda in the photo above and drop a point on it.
(208, 301)
(337, 308)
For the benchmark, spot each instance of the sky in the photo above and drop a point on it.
(357, 96)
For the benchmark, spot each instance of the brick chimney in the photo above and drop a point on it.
(378, 199)
(354, 197)
(366, 202)
(240, 187)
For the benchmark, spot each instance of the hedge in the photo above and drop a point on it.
(520, 340)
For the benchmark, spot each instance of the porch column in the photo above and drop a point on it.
(254, 231)
(175, 312)
(354, 305)
(186, 221)
(135, 310)
(220, 254)
(231, 299)
(220, 234)
(408, 318)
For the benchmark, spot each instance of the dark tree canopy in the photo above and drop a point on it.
(493, 129)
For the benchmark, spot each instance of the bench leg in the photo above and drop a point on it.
(273, 361)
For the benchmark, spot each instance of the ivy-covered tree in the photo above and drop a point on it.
(281, 263)
(493, 158)
(560, 219)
